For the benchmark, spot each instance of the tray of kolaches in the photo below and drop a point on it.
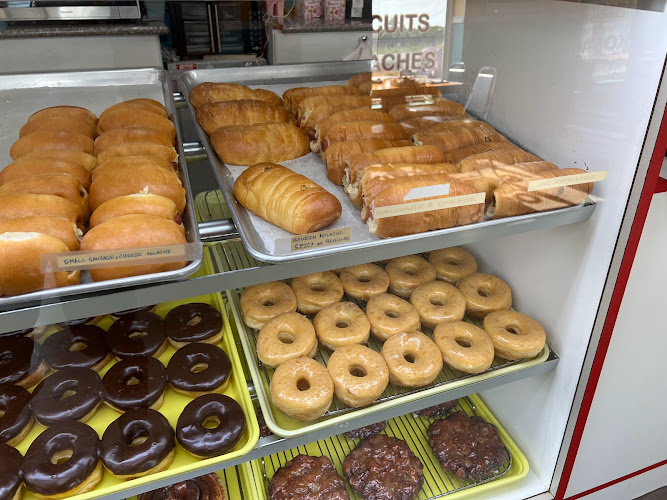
(376, 143)
(98, 405)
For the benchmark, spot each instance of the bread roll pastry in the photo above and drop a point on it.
(337, 155)
(456, 125)
(459, 154)
(421, 123)
(58, 227)
(140, 104)
(303, 110)
(166, 153)
(263, 142)
(79, 157)
(14, 206)
(292, 97)
(406, 154)
(125, 136)
(320, 113)
(138, 203)
(137, 161)
(357, 80)
(75, 112)
(363, 130)
(132, 118)
(213, 115)
(68, 124)
(512, 198)
(50, 139)
(23, 250)
(353, 115)
(57, 184)
(218, 92)
(424, 221)
(439, 106)
(286, 199)
(121, 180)
(413, 89)
(451, 140)
(25, 167)
(495, 158)
(130, 232)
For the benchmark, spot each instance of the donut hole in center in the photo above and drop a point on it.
(211, 422)
(5, 358)
(199, 367)
(138, 441)
(267, 302)
(342, 323)
(452, 262)
(391, 314)
(363, 279)
(302, 384)
(133, 381)
(138, 335)
(484, 292)
(436, 301)
(194, 321)
(410, 271)
(410, 357)
(61, 456)
(358, 371)
(318, 287)
(464, 342)
(78, 346)
(286, 338)
(2, 413)
(67, 394)
(513, 329)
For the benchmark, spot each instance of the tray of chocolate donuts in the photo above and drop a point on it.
(330, 345)
(455, 449)
(99, 405)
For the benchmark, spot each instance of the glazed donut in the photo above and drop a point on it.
(389, 315)
(48, 476)
(452, 264)
(438, 302)
(316, 291)
(16, 420)
(82, 346)
(341, 324)
(195, 322)
(22, 361)
(359, 375)
(302, 388)
(407, 273)
(127, 312)
(199, 369)
(285, 337)
(138, 443)
(206, 487)
(137, 334)
(136, 382)
(260, 303)
(82, 388)
(484, 294)
(200, 441)
(464, 346)
(412, 358)
(363, 281)
(514, 335)
(11, 479)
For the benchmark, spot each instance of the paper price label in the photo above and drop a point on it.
(416, 207)
(320, 239)
(567, 180)
(427, 192)
(71, 261)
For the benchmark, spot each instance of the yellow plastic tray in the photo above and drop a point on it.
(172, 407)
(412, 429)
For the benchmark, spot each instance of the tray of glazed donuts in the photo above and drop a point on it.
(329, 345)
(377, 149)
(456, 448)
(90, 162)
(99, 405)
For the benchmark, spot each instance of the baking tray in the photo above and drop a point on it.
(172, 408)
(412, 429)
(282, 425)
(269, 243)
(22, 95)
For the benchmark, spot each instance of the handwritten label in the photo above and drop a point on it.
(428, 205)
(320, 239)
(567, 180)
(71, 261)
(427, 192)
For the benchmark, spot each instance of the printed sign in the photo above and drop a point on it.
(567, 180)
(416, 207)
(320, 239)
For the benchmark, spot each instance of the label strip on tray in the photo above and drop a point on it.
(71, 261)
(567, 180)
(321, 239)
(416, 207)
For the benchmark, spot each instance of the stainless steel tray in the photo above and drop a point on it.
(269, 243)
(21, 95)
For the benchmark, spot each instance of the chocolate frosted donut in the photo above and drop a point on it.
(194, 322)
(10, 472)
(78, 322)
(46, 473)
(16, 420)
(82, 346)
(369, 430)
(83, 388)
(127, 312)
(137, 334)
(206, 487)
(127, 460)
(137, 382)
(201, 441)
(20, 361)
(308, 478)
(198, 369)
(439, 410)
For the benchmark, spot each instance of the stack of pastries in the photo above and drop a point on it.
(414, 307)
(70, 171)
